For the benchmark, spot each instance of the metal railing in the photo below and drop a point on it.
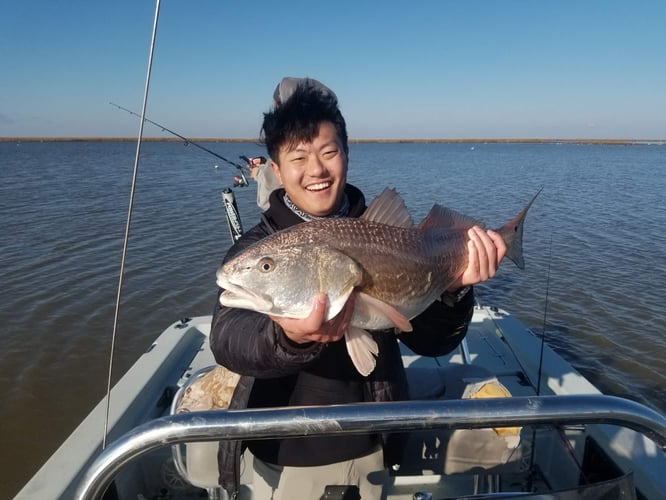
(368, 418)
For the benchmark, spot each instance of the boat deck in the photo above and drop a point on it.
(447, 453)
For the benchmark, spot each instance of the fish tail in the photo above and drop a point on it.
(512, 234)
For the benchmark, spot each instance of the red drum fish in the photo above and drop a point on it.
(398, 268)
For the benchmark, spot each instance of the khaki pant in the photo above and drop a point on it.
(274, 482)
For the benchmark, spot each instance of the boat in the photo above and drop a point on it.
(548, 433)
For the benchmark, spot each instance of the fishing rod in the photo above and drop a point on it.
(242, 181)
(127, 226)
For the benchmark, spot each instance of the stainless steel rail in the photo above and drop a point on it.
(364, 418)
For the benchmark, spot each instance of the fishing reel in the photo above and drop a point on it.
(240, 180)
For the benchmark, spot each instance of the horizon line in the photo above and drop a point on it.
(360, 140)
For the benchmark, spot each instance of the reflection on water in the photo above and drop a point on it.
(596, 231)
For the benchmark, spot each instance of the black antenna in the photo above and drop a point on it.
(545, 315)
(543, 342)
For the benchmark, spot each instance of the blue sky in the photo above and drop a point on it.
(430, 69)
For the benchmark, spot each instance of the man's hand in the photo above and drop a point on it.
(486, 249)
(314, 328)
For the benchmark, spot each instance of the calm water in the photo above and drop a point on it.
(599, 226)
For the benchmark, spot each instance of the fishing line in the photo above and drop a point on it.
(128, 223)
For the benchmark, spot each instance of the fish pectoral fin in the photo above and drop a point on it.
(376, 306)
(335, 305)
(362, 350)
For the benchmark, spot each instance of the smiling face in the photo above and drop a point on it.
(314, 173)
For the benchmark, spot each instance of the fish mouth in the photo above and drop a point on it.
(236, 296)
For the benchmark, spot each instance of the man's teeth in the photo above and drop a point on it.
(318, 187)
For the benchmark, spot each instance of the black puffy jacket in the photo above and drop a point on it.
(250, 344)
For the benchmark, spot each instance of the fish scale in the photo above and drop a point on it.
(397, 262)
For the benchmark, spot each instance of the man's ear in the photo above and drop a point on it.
(276, 170)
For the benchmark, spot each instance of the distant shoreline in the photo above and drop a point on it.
(379, 141)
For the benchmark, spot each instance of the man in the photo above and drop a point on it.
(285, 361)
(266, 180)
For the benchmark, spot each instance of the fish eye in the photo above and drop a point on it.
(266, 265)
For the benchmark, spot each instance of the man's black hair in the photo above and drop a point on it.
(298, 120)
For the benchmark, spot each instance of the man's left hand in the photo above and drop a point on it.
(485, 251)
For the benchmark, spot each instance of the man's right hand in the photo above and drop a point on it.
(314, 328)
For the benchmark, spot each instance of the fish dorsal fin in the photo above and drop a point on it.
(389, 208)
(441, 217)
